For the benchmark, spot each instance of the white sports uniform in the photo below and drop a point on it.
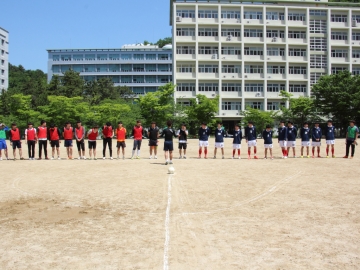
(330, 142)
(305, 143)
(203, 143)
(236, 146)
(283, 143)
(291, 143)
(314, 144)
(268, 145)
(251, 143)
(219, 145)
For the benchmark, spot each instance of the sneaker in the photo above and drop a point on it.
(155, 157)
(249, 157)
(0, 158)
(313, 156)
(39, 158)
(265, 157)
(294, 156)
(233, 157)
(345, 157)
(199, 157)
(132, 158)
(137, 157)
(333, 156)
(180, 157)
(272, 158)
(104, 158)
(84, 158)
(70, 158)
(351, 157)
(255, 157)
(150, 157)
(95, 158)
(319, 156)
(47, 158)
(205, 157)
(239, 157)
(123, 157)
(79, 158)
(223, 157)
(184, 157)
(327, 157)
(111, 158)
(214, 157)
(166, 163)
(170, 162)
(22, 158)
(301, 156)
(52, 158)
(59, 158)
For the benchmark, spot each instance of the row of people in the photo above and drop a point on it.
(286, 138)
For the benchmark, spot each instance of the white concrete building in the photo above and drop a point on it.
(247, 52)
(4, 59)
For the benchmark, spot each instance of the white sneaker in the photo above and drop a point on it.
(111, 158)
(184, 157)
(180, 157)
(104, 158)
(84, 158)
(239, 157)
(170, 162)
(52, 158)
(0, 158)
(123, 157)
(155, 157)
(59, 158)
(79, 158)
(150, 157)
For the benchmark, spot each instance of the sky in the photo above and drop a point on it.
(37, 25)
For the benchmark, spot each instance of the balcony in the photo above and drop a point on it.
(339, 25)
(297, 77)
(297, 41)
(211, 94)
(253, 76)
(275, 58)
(276, 76)
(339, 42)
(273, 94)
(230, 21)
(253, 58)
(208, 39)
(275, 40)
(275, 23)
(208, 20)
(208, 56)
(185, 57)
(229, 113)
(297, 59)
(226, 94)
(181, 20)
(253, 40)
(185, 76)
(254, 95)
(185, 94)
(229, 57)
(207, 76)
(230, 76)
(340, 60)
(185, 38)
(230, 39)
(252, 22)
(296, 23)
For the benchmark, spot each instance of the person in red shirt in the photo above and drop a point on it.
(92, 135)
(120, 136)
(42, 138)
(54, 137)
(68, 135)
(108, 134)
(80, 136)
(15, 140)
(30, 140)
(137, 133)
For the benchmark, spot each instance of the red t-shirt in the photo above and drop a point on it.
(138, 132)
(107, 132)
(68, 133)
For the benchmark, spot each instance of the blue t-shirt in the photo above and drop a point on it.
(316, 133)
(282, 133)
(250, 133)
(204, 134)
(305, 134)
(219, 135)
(330, 133)
(267, 135)
(291, 133)
(237, 137)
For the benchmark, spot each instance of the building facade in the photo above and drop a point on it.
(247, 52)
(142, 68)
(4, 59)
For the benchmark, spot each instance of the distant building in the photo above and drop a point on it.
(4, 59)
(143, 68)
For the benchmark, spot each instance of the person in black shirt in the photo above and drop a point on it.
(153, 135)
(182, 134)
(168, 133)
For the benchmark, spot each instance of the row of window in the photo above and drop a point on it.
(132, 79)
(125, 56)
(236, 105)
(114, 68)
(236, 87)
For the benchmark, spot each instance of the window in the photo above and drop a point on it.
(101, 68)
(255, 105)
(297, 52)
(66, 57)
(275, 33)
(150, 68)
(338, 18)
(339, 53)
(356, 53)
(2, 82)
(185, 68)
(114, 68)
(317, 26)
(78, 57)
(208, 87)
(273, 106)
(150, 79)
(185, 87)
(126, 79)
(231, 69)
(138, 79)
(296, 16)
(231, 106)
(163, 67)
(314, 77)
(274, 87)
(297, 70)
(208, 32)
(88, 68)
(55, 57)
(208, 50)
(208, 14)
(355, 35)
(183, 103)
(185, 13)
(163, 57)
(318, 61)
(253, 33)
(55, 69)
(356, 71)
(2, 52)
(335, 70)
(208, 69)
(2, 62)
(236, 32)
(254, 87)
(253, 51)
(65, 68)
(2, 42)
(138, 90)
(138, 67)
(126, 56)
(114, 56)
(272, 51)
(115, 79)
(297, 34)
(164, 79)
(253, 15)
(231, 87)
(102, 57)
(126, 68)
(150, 89)
(185, 50)
(231, 50)
(297, 88)
(185, 32)
(150, 56)
(276, 69)
(138, 57)
(318, 44)
(339, 36)
(275, 16)
(254, 69)
(356, 18)
(317, 12)
(227, 14)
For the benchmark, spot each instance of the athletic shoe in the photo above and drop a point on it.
(319, 156)
(302, 156)
(79, 158)
(285, 157)
(180, 157)
(22, 158)
(95, 158)
(223, 157)
(214, 157)
(137, 157)
(255, 157)
(132, 158)
(199, 157)
(59, 158)
(265, 157)
(0, 158)
(39, 158)
(333, 156)
(351, 157)
(308, 156)
(166, 163)
(150, 157)
(14, 159)
(123, 157)
(184, 157)
(313, 156)
(239, 157)
(249, 157)
(47, 158)
(205, 157)
(345, 157)
(155, 157)
(111, 158)
(327, 156)
(170, 162)
(52, 158)
(104, 158)
(294, 156)
(272, 158)
(84, 158)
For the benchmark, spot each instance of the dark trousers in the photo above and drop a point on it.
(31, 149)
(43, 143)
(348, 144)
(105, 142)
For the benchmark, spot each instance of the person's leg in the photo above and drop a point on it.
(270, 150)
(318, 151)
(313, 151)
(104, 146)
(118, 151)
(20, 153)
(185, 146)
(71, 151)
(200, 151)
(249, 152)
(307, 150)
(155, 151)
(94, 150)
(14, 152)
(78, 145)
(123, 150)
(294, 151)
(333, 150)
(287, 151)
(58, 151)
(266, 152)
(205, 151)
(255, 150)
(180, 151)
(215, 150)
(83, 148)
(33, 150)
(327, 150)
(52, 151)
(134, 148)
(302, 150)
(6, 153)
(171, 155)
(110, 146)
(45, 149)
(347, 148)
(29, 149)
(222, 151)
(68, 152)
(40, 148)
(138, 148)
(352, 150)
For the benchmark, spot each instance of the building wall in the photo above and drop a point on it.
(142, 69)
(247, 53)
(4, 59)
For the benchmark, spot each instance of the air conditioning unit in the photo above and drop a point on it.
(354, 23)
(224, 114)
(224, 58)
(229, 37)
(248, 21)
(233, 76)
(213, 95)
(224, 77)
(355, 60)
(238, 21)
(237, 113)
(353, 43)
(269, 77)
(257, 95)
(178, 19)
(274, 39)
(214, 56)
(267, 22)
(268, 58)
(245, 76)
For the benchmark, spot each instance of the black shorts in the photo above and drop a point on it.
(55, 143)
(182, 145)
(121, 144)
(80, 145)
(68, 143)
(16, 144)
(92, 144)
(168, 146)
(153, 143)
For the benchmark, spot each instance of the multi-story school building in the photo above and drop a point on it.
(246, 52)
(142, 68)
(4, 59)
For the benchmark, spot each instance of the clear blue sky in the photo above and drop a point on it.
(37, 25)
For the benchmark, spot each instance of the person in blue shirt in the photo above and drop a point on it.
(268, 143)
(204, 134)
(330, 138)
(282, 138)
(291, 133)
(219, 139)
(316, 135)
(250, 136)
(305, 139)
(237, 141)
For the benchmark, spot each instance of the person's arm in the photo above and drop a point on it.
(26, 136)
(10, 136)
(356, 134)
(63, 133)
(132, 132)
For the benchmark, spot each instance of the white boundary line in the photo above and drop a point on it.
(167, 229)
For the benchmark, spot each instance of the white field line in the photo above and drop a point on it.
(167, 228)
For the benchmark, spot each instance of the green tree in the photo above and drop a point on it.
(21, 110)
(73, 84)
(125, 93)
(55, 87)
(259, 117)
(162, 42)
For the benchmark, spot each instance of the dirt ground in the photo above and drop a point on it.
(210, 214)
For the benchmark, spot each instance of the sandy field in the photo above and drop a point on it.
(211, 214)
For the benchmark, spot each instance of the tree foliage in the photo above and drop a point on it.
(259, 117)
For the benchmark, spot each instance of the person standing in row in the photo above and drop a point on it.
(15, 140)
(120, 134)
(153, 135)
(237, 141)
(291, 133)
(54, 137)
(182, 133)
(137, 133)
(108, 134)
(3, 146)
(330, 138)
(282, 131)
(268, 143)
(219, 140)
(68, 135)
(42, 138)
(250, 136)
(352, 134)
(305, 139)
(92, 135)
(316, 135)
(80, 137)
(204, 134)
(30, 140)
(168, 133)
